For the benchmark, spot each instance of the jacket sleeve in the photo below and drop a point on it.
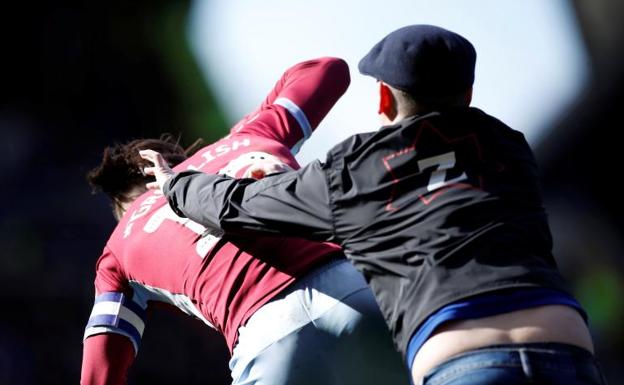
(294, 203)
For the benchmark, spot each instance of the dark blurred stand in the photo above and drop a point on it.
(74, 77)
(581, 162)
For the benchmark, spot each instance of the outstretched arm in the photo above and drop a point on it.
(301, 98)
(293, 203)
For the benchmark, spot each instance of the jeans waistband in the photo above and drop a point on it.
(545, 347)
(541, 356)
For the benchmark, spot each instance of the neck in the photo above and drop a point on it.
(120, 207)
(386, 121)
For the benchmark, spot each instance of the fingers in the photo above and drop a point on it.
(148, 155)
(160, 169)
(153, 157)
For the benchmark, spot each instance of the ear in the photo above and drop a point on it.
(387, 105)
(468, 97)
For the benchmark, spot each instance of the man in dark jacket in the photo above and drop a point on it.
(440, 210)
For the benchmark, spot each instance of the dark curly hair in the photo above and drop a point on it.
(121, 169)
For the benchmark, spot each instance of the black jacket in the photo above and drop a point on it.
(432, 210)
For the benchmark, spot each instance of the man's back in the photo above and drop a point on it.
(432, 194)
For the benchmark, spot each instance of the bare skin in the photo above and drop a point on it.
(553, 323)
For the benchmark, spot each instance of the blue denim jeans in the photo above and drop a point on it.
(536, 363)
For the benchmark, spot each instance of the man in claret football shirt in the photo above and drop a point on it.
(292, 311)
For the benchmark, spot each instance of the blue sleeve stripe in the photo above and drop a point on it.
(298, 114)
(123, 327)
(117, 320)
(110, 296)
(135, 308)
(124, 300)
(103, 320)
(113, 312)
(131, 330)
(295, 149)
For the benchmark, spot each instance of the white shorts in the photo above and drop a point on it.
(326, 329)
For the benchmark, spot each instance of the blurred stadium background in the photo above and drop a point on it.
(77, 76)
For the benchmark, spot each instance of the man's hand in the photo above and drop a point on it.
(160, 170)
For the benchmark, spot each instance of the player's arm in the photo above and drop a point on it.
(293, 203)
(113, 332)
(299, 101)
(106, 359)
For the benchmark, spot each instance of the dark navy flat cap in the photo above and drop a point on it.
(425, 61)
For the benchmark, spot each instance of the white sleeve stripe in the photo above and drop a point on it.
(91, 331)
(298, 114)
(106, 307)
(117, 312)
(132, 318)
